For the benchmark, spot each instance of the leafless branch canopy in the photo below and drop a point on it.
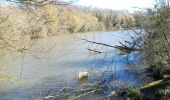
(121, 47)
(42, 2)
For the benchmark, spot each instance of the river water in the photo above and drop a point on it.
(54, 62)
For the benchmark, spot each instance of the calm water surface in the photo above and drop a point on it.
(54, 62)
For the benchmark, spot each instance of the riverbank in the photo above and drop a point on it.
(68, 33)
(158, 89)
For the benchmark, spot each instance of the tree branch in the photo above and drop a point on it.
(42, 2)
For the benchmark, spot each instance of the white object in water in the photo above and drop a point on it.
(113, 93)
(82, 75)
(47, 98)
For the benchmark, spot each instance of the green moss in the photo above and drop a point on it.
(152, 84)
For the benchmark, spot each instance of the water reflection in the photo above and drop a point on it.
(47, 72)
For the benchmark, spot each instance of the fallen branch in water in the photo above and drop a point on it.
(75, 93)
(122, 47)
(94, 50)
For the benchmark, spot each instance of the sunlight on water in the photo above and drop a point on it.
(54, 62)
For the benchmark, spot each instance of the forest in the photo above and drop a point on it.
(51, 20)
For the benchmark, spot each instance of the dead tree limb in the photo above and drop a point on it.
(122, 47)
(94, 50)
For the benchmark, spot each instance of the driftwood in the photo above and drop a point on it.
(122, 47)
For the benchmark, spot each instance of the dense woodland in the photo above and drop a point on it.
(50, 20)
(19, 23)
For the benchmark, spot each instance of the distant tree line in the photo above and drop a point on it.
(24, 20)
(51, 20)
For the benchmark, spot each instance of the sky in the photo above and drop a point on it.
(117, 4)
